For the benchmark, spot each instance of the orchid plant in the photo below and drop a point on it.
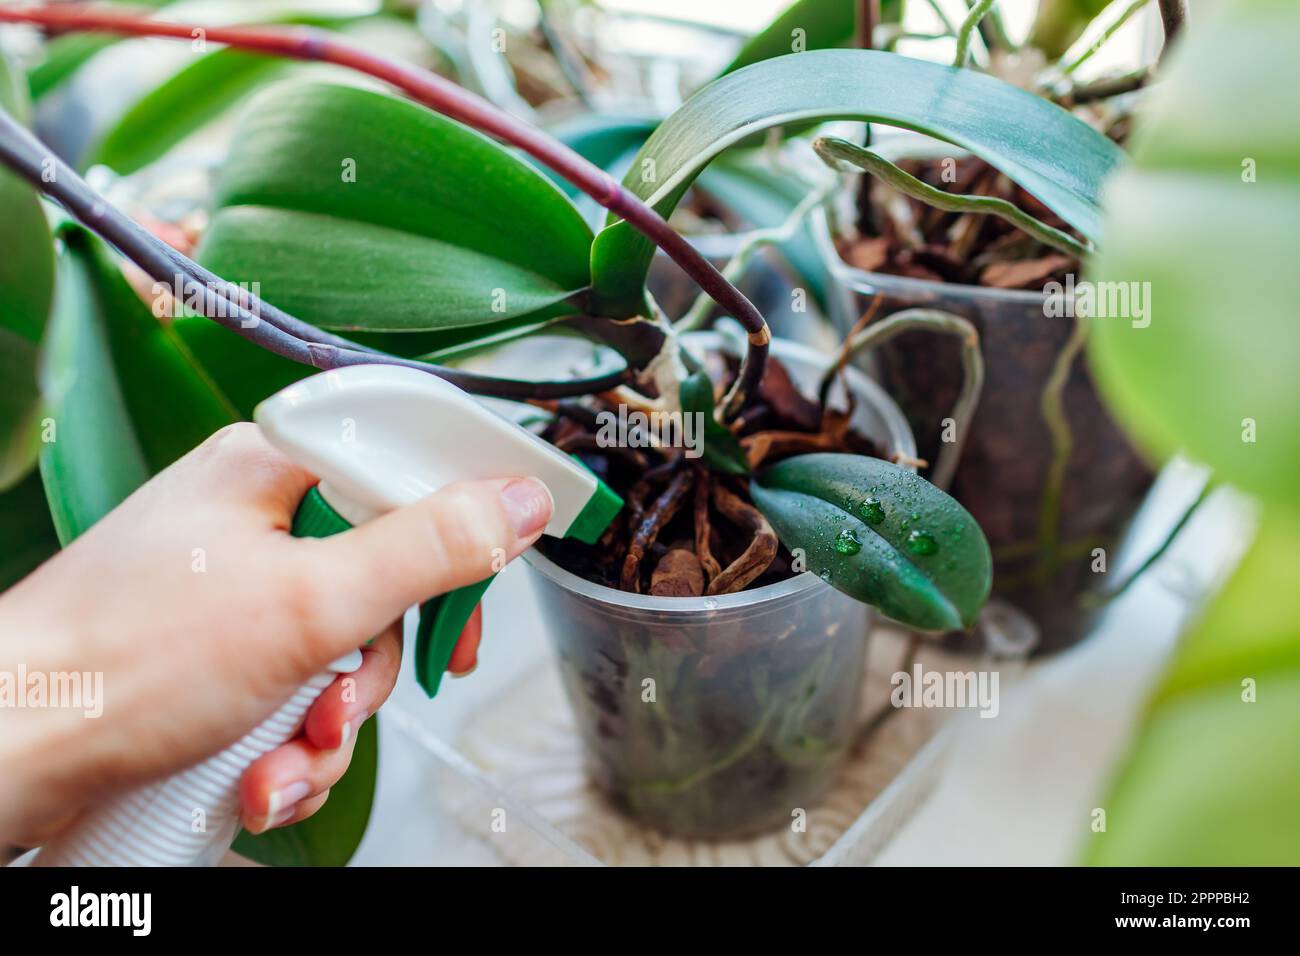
(407, 229)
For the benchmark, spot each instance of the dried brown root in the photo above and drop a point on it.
(757, 556)
(704, 529)
(678, 574)
(649, 526)
(636, 495)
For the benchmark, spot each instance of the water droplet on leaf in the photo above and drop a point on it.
(922, 542)
(846, 542)
(871, 511)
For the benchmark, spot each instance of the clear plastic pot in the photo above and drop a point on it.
(718, 717)
(1043, 556)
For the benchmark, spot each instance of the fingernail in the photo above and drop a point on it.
(528, 506)
(285, 798)
(345, 736)
(284, 816)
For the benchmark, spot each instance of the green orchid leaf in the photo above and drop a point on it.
(1213, 778)
(95, 460)
(809, 25)
(196, 95)
(367, 277)
(26, 530)
(65, 55)
(332, 834)
(243, 372)
(124, 395)
(356, 210)
(1209, 216)
(719, 445)
(1056, 157)
(216, 81)
(20, 408)
(1202, 231)
(881, 534)
(26, 288)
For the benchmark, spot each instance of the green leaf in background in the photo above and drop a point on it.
(355, 210)
(214, 82)
(1056, 157)
(26, 288)
(331, 835)
(245, 373)
(191, 99)
(881, 534)
(718, 444)
(809, 25)
(125, 396)
(1209, 215)
(1213, 778)
(64, 55)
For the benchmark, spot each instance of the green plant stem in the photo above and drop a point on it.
(993, 29)
(1052, 409)
(1124, 16)
(237, 310)
(972, 360)
(966, 31)
(444, 96)
(835, 152)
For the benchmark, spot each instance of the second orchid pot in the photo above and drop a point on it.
(718, 717)
(1052, 496)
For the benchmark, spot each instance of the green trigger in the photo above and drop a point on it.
(442, 618)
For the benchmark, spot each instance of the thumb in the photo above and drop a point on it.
(461, 534)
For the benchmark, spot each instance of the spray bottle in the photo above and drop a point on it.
(379, 437)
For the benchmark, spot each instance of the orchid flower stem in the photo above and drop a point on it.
(243, 313)
(443, 96)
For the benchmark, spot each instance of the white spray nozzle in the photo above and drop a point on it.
(382, 436)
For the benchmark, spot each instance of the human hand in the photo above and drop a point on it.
(203, 614)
